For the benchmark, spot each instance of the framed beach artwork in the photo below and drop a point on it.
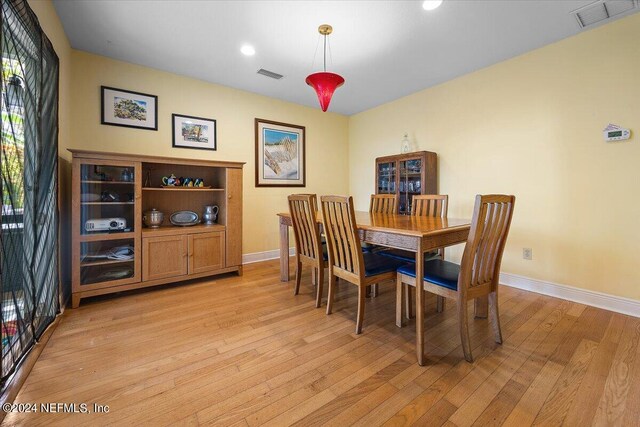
(130, 109)
(193, 132)
(280, 154)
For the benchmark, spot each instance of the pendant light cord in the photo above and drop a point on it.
(325, 53)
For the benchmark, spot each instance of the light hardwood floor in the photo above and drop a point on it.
(245, 351)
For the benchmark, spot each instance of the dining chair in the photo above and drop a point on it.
(346, 257)
(479, 271)
(309, 248)
(427, 205)
(383, 203)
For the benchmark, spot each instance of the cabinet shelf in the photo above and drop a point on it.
(168, 230)
(181, 189)
(105, 262)
(107, 203)
(107, 182)
(96, 237)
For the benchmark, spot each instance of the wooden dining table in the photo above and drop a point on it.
(416, 234)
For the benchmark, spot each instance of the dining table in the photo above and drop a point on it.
(417, 234)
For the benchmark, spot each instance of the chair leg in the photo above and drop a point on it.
(298, 278)
(374, 290)
(494, 316)
(480, 307)
(360, 318)
(464, 330)
(399, 301)
(319, 287)
(332, 290)
(408, 304)
(439, 303)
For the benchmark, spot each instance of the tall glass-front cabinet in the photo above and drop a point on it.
(406, 175)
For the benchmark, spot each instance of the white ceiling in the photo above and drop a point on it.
(383, 49)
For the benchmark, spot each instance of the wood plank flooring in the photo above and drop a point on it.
(244, 351)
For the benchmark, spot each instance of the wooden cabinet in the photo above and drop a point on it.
(206, 252)
(113, 251)
(164, 257)
(406, 175)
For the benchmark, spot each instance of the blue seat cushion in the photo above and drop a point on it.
(376, 264)
(438, 272)
(407, 256)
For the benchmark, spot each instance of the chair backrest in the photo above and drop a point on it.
(343, 243)
(304, 210)
(383, 203)
(434, 205)
(483, 252)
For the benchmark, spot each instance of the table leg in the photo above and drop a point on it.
(284, 252)
(481, 307)
(420, 305)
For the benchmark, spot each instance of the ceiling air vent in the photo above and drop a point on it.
(601, 10)
(270, 74)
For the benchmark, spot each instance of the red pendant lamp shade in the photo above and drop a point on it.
(324, 84)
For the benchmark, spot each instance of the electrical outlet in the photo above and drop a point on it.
(527, 253)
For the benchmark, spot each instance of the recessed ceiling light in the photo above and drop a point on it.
(431, 4)
(247, 50)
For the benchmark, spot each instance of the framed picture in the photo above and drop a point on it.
(280, 154)
(130, 109)
(193, 132)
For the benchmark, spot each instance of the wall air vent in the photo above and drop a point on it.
(270, 74)
(602, 10)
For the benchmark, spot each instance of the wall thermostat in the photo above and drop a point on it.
(616, 133)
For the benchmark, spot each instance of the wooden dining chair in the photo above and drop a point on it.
(427, 205)
(380, 204)
(383, 203)
(309, 248)
(346, 258)
(479, 272)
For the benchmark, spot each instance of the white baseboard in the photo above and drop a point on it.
(264, 256)
(583, 296)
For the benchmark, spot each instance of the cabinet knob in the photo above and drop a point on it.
(229, 196)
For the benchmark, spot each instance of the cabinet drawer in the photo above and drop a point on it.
(164, 257)
(206, 252)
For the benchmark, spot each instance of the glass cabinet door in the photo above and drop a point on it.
(106, 221)
(410, 183)
(107, 199)
(386, 178)
(107, 260)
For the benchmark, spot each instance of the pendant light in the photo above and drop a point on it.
(324, 83)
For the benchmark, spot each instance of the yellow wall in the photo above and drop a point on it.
(234, 110)
(532, 126)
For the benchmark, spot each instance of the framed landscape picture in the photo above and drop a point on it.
(130, 109)
(280, 154)
(193, 132)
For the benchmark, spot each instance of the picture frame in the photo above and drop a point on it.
(121, 107)
(193, 132)
(280, 154)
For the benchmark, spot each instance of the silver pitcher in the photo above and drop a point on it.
(210, 215)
